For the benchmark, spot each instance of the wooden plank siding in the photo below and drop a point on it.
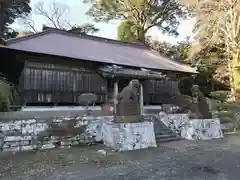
(52, 80)
(159, 91)
(57, 83)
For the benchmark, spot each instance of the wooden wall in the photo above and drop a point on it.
(56, 83)
(159, 91)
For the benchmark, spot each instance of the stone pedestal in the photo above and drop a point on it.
(202, 129)
(192, 129)
(128, 108)
(128, 112)
(128, 136)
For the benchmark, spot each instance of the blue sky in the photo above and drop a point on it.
(76, 15)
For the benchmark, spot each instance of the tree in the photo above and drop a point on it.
(11, 33)
(178, 52)
(126, 32)
(56, 16)
(10, 10)
(206, 61)
(218, 25)
(163, 48)
(145, 14)
(84, 29)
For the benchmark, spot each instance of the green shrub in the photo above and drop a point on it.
(220, 95)
(227, 112)
(8, 95)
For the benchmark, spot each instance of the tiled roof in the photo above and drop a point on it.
(92, 48)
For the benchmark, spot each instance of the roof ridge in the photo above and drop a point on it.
(72, 34)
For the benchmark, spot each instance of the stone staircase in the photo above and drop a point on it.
(163, 133)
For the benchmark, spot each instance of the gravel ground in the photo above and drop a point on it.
(182, 160)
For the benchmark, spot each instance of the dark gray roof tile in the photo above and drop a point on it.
(91, 48)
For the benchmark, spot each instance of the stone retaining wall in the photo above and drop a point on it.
(23, 135)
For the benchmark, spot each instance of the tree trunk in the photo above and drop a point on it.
(1, 21)
(234, 76)
(140, 35)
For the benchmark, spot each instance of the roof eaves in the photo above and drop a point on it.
(27, 37)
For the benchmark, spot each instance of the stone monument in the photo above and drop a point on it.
(87, 99)
(127, 106)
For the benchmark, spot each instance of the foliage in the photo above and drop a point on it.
(177, 52)
(221, 77)
(84, 29)
(227, 112)
(8, 95)
(206, 62)
(209, 63)
(126, 32)
(146, 14)
(220, 95)
(11, 10)
(218, 25)
(11, 33)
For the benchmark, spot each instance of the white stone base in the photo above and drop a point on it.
(192, 129)
(128, 136)
(95, 126)
(202, 129)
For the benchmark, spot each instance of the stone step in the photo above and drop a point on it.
(163, 136)
(161, 140)
(163, 133)
(163, 130)
(166, 131)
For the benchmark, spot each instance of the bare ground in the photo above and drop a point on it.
(182, 160)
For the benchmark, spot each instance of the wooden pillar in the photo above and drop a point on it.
(22, 80)
(115, 95)
(106, 91)
(141, 97)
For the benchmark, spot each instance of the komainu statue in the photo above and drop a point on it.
(129, 93)
(199, 107)
(127, 107)
(195, 103)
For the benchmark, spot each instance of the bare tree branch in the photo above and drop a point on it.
(29, 23)
(56, 14)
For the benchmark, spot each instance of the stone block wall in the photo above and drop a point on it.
(30, 134)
